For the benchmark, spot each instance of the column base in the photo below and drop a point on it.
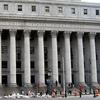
(1, 85)
(11, 85)
(41, 85)
(82, 84)
(41, 88)
(27, 85)
(95, 85)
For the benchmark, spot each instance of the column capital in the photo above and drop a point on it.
(92, 34)
(40, 32)
(80, 34)
(54, 33)
(13, 31)
(27, 32)
(67, 33)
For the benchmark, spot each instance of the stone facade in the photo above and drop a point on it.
(46, 39)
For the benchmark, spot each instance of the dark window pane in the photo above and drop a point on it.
(32, 50)
(19, 7)
(32, 64)
(4, 80)
(18, 64)
(46, 65)
(4, 49)
(18, 56)
(73, 10)
(33, 8)
(5, 6)
(4, 64)
(47, 9)
(59, 64)
(33, 79)
(97, 12)
(85, 11)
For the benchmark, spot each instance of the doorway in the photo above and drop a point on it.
(4, 80)
(19, 80)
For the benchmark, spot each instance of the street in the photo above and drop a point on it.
(84, 97)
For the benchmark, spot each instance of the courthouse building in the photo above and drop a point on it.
(57, 40)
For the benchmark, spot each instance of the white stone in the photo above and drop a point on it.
(12, 58)
(27, 71)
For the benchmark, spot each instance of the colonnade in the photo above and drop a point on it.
(67, 57)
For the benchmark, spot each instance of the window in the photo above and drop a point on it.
(4, 49)
(19, 7)
(97, 12)
(18, 56)
(85, 11)
(32, 64)
(58, 51)
(60, 79)
(60, 9)
(59, 64)
(46, 65)
(32, 50)
(4, 80)
(33, 8)
(5, 6)
(18, 64)
(18, 49)
(47, 9)
(73, 10)
(33, 79)
(45, 50)
(45, 53)
(4, 64)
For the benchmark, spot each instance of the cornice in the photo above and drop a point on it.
(51, 19)
(55, 2)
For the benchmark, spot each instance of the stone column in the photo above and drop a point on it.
(27, 71)
(41, 59)
(93, 60)
(13, 58)
(67, 57)
(80, 58)
(0, 59)
(54, 56)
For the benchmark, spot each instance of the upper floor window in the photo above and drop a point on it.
(5, 6)
(97, 12)
(19, 7)
(33, 8)
(73, 10)
(47, 9)
(60, 9)
(85, 11)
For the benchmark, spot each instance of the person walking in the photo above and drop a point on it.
(80, 93)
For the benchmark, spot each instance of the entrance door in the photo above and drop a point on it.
(4, 80)
(19, 79)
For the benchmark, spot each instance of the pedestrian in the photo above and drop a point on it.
(65, 93)
(94, 93)
(85, 91)
(80, 93)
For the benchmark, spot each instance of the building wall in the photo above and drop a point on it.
(71, 19)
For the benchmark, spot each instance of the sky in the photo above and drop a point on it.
(95, 1)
